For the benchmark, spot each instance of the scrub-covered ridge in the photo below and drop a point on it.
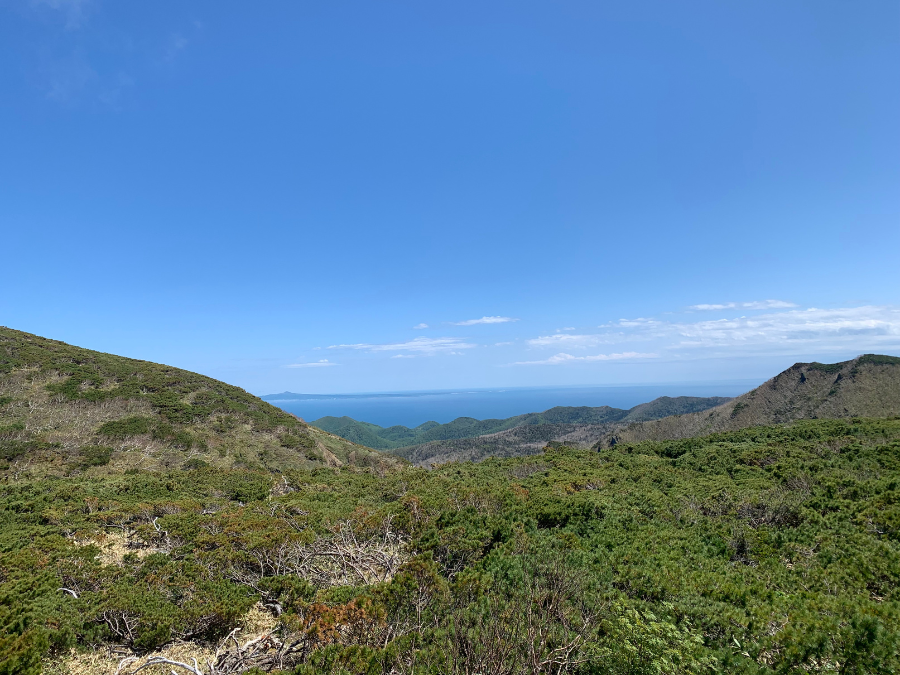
(868, 385)
(65, 410)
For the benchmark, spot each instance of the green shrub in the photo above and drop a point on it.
(297, 441)
(94, 455)
(129, 426)
(11, 449)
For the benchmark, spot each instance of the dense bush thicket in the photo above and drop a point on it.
(768, 550)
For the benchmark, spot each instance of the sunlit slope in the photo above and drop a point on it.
(867, 386)
(65, 409)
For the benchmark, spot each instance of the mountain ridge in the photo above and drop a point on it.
(398, 436)
(67, 409)
(866, 386)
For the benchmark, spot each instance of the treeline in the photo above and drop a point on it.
(768, 550)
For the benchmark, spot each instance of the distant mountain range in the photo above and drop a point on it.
(867, 386)
(395, 437)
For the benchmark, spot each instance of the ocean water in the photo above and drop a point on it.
(412, 408)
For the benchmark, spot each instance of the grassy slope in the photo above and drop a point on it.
(390, 438)
(868, 385)
(766, 550)
(65, 409)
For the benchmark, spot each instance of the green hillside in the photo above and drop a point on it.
(762, 551)
(868, 385)
(66, 410)
(390, 438)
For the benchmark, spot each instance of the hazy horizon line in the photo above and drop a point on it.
(411, 392)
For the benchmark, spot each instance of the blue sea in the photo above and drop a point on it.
(411, 408)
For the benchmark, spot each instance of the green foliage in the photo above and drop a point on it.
(638, 643)
(828, 368)
(94, 455)
(766, 550)
(391, 438)
(297, 441)
(879, 360)
(129, 426)
(12, 448)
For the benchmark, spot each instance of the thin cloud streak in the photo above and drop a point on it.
(559, 359)
(484, 319)
(420, 345)
(756, 304)
(314, 364)
(568, 340)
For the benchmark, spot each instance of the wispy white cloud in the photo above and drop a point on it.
(768, 304)
(864, 327)
(707, 308)
(484, 319)
(74, 11)
(568, 340)
(559, 359)
(756, 304)
(420, 326)
(68, 77)
(114, 94)
(314, 364)
(789, 332)
(174, 46)
(403, 356)
(420, 345)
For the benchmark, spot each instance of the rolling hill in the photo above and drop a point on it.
(395, 437)
(771, 549)
(868, 385)
(66, 410)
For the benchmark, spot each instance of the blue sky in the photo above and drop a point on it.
(338, 197)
